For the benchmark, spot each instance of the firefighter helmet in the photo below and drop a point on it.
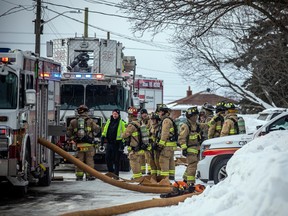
(133, 111)
(220, 106)
(230, 105)
(144, 111)
(163, 108)
(192, 111)
(208, 107)
(82, 109)
(155, 116)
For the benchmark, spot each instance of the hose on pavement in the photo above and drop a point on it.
(106, 179)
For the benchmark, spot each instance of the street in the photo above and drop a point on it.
(68, 195)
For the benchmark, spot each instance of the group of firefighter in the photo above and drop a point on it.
(165, 137)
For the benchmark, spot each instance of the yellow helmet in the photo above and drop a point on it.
(192, 111)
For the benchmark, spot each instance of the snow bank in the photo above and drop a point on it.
(257, 184)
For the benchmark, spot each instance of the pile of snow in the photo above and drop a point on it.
(257, 184)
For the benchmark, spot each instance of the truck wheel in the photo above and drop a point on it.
(219, 173)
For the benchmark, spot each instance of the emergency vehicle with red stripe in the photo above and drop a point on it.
(215, 153)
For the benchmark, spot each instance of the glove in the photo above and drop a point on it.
(102, 141)
(184, 152)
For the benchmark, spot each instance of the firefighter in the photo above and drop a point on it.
(202, 115)
(190, 138)
(112, 132)
(131, 135)
(209, 111)
(154, 154)
(145, 120)
(230, 126)
(216, 123)
(81, 132)
(166, 143)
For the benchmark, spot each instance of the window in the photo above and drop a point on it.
(106, 98)
(8, 91)
(280, 124)
(72, 96)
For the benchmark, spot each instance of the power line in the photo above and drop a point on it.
(30, 43)
(139, 18)
(120, 35)
(160, 71)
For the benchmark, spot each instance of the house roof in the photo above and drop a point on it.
(198, 99)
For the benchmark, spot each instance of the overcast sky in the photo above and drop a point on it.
(17, 32)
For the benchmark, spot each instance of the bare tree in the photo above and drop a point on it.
(209, 36)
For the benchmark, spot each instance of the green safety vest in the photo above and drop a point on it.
(121, 128)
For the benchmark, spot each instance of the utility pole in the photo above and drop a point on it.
(38, 28)
(86, 23)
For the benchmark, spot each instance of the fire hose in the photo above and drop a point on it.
(125, 208)
(120, 209)
(104, 178)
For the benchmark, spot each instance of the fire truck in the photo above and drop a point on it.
(93, 74)
(29, 108)
(150, 92)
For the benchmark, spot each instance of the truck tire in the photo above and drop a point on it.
(46, 179)
(219, 173)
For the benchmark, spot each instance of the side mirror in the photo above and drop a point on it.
(30, 96)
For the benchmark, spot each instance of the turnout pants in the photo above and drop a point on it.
(85, 155)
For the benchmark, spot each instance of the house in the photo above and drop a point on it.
(197, 99)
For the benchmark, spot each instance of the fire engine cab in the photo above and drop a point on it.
(29, 108)
(93, 74)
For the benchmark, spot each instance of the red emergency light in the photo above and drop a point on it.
(6, 59)
(3, 131)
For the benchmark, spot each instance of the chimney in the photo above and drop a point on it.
(189, 92)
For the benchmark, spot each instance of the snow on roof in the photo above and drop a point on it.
(274, 109)
(176, 106)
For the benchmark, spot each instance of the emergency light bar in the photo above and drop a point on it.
(6, 59)
(74, 75)
(50, 75)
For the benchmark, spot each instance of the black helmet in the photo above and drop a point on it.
(143, 111)
(155, 116)
(192, 111)
(230, 105)
(220, 106)
(163, 107)
(208, 107)
(82, 109)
